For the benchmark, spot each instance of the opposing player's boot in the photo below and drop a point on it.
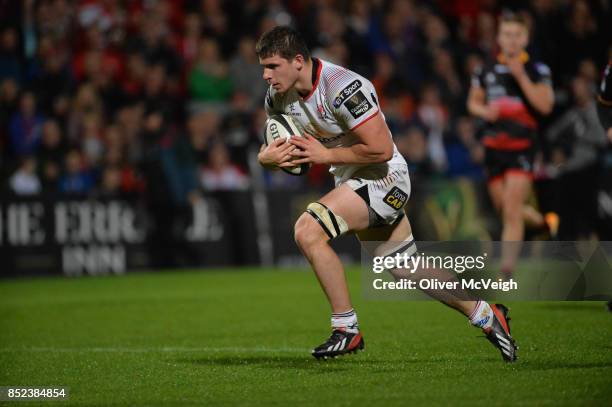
(498, 333)
(339, 343)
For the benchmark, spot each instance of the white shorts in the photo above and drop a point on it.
(385, 189)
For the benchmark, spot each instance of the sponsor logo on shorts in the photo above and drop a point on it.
(346, 93)
(358, 105)
(396, 198)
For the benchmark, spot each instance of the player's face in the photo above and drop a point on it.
(279, 72)
(512, 38)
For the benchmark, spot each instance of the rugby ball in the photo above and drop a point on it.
(282, 126)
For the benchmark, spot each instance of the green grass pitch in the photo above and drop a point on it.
(242, 337)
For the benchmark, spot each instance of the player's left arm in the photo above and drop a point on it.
(539, 93)
(375, 146)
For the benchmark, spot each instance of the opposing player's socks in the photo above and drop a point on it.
(551, 222)
(346, 321)
(482, 316)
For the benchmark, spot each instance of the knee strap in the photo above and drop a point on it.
(332, 224)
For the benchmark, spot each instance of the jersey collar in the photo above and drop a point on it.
(524, 57)
(317, 66)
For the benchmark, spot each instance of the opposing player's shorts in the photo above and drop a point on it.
(500, 162)
(385, 190)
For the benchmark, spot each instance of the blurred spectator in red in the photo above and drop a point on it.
(115, 156)
(132, 83)
(96, 62)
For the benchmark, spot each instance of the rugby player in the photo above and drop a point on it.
(344, 127)
(510, 93)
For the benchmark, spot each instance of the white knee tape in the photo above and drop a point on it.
(332, 224)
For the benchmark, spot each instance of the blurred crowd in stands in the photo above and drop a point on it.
(163, 100)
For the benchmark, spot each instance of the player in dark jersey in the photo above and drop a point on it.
(510, 93)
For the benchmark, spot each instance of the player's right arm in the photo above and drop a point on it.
(279, 152)
(275, 154)
(354, 103)
(477, 100)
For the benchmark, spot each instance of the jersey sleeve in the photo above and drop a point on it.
(542, 74)
(353, 100)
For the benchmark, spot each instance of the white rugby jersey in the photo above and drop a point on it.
(339, 102)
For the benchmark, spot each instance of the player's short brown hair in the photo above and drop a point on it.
(283, 41)
(512, 17)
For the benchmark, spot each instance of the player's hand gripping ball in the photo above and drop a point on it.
(282, 126)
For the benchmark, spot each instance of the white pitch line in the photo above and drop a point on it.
(152, 350)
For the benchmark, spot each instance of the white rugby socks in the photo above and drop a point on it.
(482, 316)
(345, 320)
